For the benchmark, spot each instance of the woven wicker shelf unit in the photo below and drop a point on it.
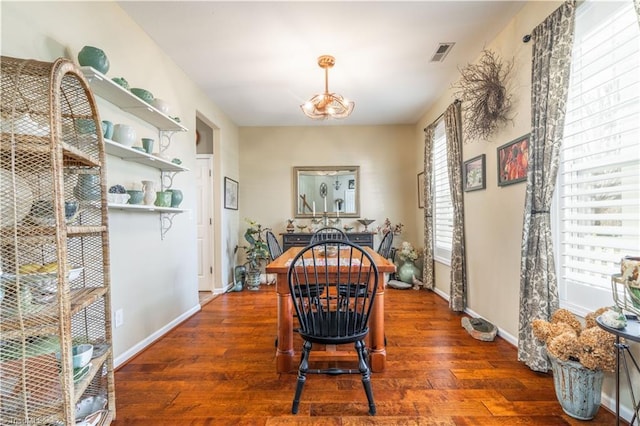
(54, 248)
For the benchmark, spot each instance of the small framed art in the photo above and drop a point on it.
(513, 161)
(474, 174)
(230, 194)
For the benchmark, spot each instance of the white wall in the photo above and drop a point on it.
(153, 280)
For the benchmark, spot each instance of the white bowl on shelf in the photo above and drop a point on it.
(118, 198)
(124, 134)
(82, 355)
(161, 106)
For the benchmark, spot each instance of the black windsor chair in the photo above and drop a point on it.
(273, 245)
(328, 233)
(330, 320)
(384, 249)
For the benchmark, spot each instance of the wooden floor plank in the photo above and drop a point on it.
(218, 368)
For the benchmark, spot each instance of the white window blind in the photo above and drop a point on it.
(442, 206)
(598, 192)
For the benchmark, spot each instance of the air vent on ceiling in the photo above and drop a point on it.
(441, 52)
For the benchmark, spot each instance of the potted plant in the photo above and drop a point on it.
(256, 253)
(579, 355)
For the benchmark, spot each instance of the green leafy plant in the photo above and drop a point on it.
(257, 252)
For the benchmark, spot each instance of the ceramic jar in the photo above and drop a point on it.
(135, 196)
(107, 129)
(149, 189)
(88, 187)
(176, 197)
(93, 57)
(124, 134)
(163, 199)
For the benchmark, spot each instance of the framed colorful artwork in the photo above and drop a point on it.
(513, 161)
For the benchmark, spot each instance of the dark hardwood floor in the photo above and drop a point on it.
(218, 368)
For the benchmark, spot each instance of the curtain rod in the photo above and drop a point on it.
(457, 101)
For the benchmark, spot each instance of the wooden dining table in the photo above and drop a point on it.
(285, 355)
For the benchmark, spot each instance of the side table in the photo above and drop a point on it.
(630, 332)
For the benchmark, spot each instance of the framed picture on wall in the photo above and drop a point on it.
(421, 190)
(513, 161)
(230, 194)
(474, 174)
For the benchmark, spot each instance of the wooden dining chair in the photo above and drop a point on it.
(328, 233)
(329, 320)
(273, 245)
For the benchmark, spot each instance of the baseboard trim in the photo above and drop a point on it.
(145, 343)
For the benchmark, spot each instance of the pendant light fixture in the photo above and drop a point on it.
(327, 105)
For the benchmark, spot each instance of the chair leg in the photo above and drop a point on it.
(363, 366)
(302, 375)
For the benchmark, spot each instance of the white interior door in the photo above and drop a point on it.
(204, 220)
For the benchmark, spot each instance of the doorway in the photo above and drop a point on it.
(205, 206)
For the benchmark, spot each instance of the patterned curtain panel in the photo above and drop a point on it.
(458, 286)
(427, 269)
(552, 42)
(637, 5)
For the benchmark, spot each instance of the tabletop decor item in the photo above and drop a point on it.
(147, 145)
(149, 189)
(136, 196)
(366, 222)
(176, 197)
(388, 227)
(93, 57)
(143, 94)
(407, 270)
(88, 187)
(120, 81)
(257, 253)
(290, 225)
(107, 129)
(161, 106)
(579, 356)
(162, 199)
(124, 134)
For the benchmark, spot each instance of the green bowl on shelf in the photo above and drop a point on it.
(143, 94)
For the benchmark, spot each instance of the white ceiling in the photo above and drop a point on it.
(258, 60)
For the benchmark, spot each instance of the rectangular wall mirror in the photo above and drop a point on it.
(335, 190)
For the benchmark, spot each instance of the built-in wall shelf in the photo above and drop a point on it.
(144, 208)
(133, 155)
(104, 87)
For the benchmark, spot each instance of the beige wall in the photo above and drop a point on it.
(153, 280)
(388, 185)
(493, 217)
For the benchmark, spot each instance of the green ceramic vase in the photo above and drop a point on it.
(93, 57)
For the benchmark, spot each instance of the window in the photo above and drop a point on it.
(597, 210)
(442, 206)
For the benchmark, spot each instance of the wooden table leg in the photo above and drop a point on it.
(284, 352)
(376, 330)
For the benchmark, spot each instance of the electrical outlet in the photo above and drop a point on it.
(119, 318)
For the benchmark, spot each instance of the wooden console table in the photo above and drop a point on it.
(286, 360)
(302, 239)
